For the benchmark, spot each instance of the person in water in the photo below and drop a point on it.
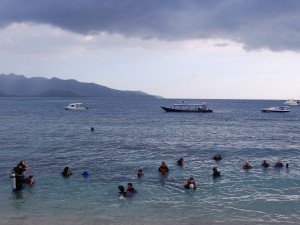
(190, 183)
(265, 164)
(216, 173)
(180, 162)
(140, 173)
(130, 190)
(163, 168)
(217, 157)
(66, 172)
(287, 165)
(122, 193)
(279, 163)
(29, 180)
(247, 165)
(20, 170)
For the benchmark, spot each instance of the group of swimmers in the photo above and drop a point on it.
(266, 164)
(190, 183)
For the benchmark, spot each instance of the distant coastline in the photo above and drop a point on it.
(13, 85)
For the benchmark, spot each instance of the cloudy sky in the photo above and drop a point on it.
(238, 49)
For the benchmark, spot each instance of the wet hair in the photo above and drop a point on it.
(121, 188)
(130, 184)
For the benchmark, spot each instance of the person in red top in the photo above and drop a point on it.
(163, 168)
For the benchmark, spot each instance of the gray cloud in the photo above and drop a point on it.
(257, 24)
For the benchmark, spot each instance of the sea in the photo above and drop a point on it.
(130, 134)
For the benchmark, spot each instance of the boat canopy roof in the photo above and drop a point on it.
(185, 104)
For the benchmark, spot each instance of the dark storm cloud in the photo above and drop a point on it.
(272, 24)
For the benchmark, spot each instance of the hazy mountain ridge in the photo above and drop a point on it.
(21, 86)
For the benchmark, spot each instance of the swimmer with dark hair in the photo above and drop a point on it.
(217, 157)
(140, 173)
(190, 183)
(122, 193)
(279, 164)
(216, 173)
(265, 164)
(180, 162)
(130, 190)
(247, 165)
(29, 180)
(66, 172)
(163, 169)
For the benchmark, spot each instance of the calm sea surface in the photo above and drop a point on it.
(133, 134)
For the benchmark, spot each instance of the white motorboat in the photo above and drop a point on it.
(292, 102)
(75, 106)
(280, 109)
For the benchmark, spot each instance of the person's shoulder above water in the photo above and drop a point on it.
(140, 173)
(217, 157)
(130, 190)
(190, 183)
(216, 173)
(279, 163)
(247, 165)
(163, 168)
(30, 180)
(180, 161)
(265, 163)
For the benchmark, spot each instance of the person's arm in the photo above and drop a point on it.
(26, 166)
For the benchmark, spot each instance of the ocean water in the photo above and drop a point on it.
(133, 134)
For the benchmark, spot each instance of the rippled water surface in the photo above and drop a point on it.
(133, 134)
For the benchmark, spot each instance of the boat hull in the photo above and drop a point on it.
(168, 109)
(275, 111)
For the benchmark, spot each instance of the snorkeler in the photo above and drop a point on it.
(29, 180)
(180, 162)
(163, 168)
(140, 173)
(66, 172)
(190, 183)
(216, 173)
(247, 165)
(20, 170)
(217, 157)
(265, 164)
(279, 163)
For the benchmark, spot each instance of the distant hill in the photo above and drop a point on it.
(21, 86)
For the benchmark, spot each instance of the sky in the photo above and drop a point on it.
(197, 49)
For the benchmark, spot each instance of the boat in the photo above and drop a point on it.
(75, 106)
(280, 109)
(291, 102)
(185, 107)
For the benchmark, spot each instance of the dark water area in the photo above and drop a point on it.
(136, 133)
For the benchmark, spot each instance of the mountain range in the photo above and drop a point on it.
(13, 85)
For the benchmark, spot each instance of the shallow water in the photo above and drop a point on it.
(132, 134)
